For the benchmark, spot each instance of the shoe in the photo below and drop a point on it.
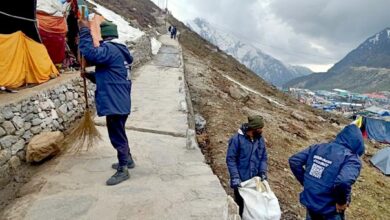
(121, 175)
(130, 164)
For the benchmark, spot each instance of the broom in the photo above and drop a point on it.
(84, 135)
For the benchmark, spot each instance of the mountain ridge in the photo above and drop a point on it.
(364, 69)
(264, 65)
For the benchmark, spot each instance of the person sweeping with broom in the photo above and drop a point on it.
(113, 87)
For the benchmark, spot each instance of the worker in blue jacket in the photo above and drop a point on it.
(247, 156)
(327, 173)
(113, 86)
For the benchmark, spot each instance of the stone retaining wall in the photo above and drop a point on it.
(54, 109)
(50, 110)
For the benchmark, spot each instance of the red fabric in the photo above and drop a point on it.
(365, 135)
(55, 45)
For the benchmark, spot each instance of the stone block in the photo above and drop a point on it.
(36, 121)
(8, 141)
(29, 117)
(2, 132)
(54, 114)
(18, 122)
(7, 113)
(19, 132)
(57, 103)
(27, 125)
(44, 105)
(36, 129)
(42, 115)
(192, 144)
(14, 162)
(27, 135)
(48, 120)
(5, 155)
(56, 124)
(17, 146)
(63, 109)
(69, 96)
(9, 127)
(62, 97)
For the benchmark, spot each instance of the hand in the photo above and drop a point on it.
(263, 176)
(341, 208)
(235, 183)
(83, 23)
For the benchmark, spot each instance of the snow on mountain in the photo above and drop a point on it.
(126, 32)
(266, 66)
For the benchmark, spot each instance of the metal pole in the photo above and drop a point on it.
(166, 12)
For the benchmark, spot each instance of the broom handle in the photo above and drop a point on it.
(85, 86)
(83, 65)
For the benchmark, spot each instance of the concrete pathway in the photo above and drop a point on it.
(169, 181)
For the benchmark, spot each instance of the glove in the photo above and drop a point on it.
(263, 176)
(235, 183)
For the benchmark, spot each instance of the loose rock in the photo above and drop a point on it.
(43, 146)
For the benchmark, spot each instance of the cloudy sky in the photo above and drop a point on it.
(313, 33)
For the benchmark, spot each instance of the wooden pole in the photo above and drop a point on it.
(82, 65)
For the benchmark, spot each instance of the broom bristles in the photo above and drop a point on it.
(84, 136)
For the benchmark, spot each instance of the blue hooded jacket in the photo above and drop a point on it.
(328, 171)
(245, 159)
(113, 86)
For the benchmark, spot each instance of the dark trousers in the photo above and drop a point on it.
(117, 133)
(239, 200)
(315, 216)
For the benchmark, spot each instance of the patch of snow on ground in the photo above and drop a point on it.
(156, 45)
(126, 32)
(253, 91)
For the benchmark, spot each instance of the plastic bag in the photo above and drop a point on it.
(259, 200)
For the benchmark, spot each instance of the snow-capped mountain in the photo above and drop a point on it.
(374, 52)
(266, 66)
(364, 69)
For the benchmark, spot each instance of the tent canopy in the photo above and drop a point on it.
(30, 63)
(382, 160)
(21, 14)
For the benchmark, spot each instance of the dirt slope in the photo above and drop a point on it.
(290, 126)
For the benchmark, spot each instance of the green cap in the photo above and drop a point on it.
(108, 29)
(255, 122)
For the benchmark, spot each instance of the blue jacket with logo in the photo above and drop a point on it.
(328, 171)
(245, 158)
(113, 85)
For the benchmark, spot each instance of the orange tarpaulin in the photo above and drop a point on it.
(52, 24)
(23, 60)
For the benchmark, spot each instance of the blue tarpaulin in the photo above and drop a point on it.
(378, 130)
(382, 160)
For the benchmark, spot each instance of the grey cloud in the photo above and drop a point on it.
(288, 29)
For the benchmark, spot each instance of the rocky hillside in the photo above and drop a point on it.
(365, 69)
(264, 65)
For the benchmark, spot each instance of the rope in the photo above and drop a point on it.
(18, 17)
